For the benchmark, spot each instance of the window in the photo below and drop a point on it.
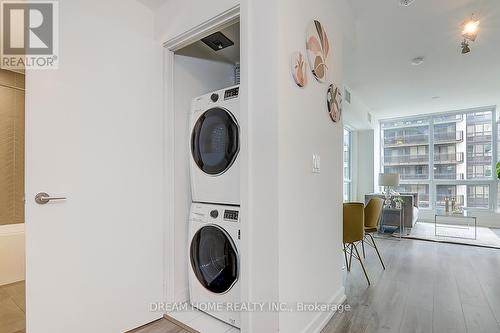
(443, 156)
(347, 165)
(498, 160)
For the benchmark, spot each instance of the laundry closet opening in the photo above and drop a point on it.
(206, 177)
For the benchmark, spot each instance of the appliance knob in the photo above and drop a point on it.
(214, 97)
(214, 213)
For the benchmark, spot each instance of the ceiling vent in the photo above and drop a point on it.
(217, 41)
(405, 3)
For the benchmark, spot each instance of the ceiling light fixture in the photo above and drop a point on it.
(405, 3)
(417, 61)
(470, 29)
(465, 47)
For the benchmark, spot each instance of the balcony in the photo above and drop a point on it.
(449, 137)
(478, 202)
(452, 158)
(449, 176)
(479, 158)
(441, 202)
(481, 117)
(479, 138)
(406, 140)
(413, 176)
(406, 160)
(478, 175)
(448, 119)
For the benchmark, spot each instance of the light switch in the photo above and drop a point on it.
(316, 163)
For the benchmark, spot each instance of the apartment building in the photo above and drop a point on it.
(461, 148)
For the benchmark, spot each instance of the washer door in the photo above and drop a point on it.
(214, 259)
(215, 141)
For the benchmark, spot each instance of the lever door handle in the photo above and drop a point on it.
(42, 198)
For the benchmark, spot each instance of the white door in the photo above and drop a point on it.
(94, 135)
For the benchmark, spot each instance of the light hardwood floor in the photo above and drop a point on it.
(427, 287)
(12, 308)
(160, 326)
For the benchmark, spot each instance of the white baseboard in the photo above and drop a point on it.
(320, 321)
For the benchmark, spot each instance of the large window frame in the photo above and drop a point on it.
(492, 182)
(347, 180)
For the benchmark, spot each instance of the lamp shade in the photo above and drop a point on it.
(388, 179)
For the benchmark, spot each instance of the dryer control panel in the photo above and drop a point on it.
(231, 93)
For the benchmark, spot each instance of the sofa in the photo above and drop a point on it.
(410, 209)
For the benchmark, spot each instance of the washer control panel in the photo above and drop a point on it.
(231, 215)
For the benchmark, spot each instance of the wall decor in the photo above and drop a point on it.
(318, 47)
(334, 102)
(299, 69)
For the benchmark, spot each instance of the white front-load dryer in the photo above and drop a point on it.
(215, 145)
(214, 236)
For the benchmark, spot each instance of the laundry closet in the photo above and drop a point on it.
(206, 172)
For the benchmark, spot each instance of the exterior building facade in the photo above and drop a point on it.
(442, 156)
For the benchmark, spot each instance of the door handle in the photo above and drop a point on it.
(43, 198)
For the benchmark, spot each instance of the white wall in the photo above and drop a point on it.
(310, 205)
(357, 115)
(193, 77)
(94, 131)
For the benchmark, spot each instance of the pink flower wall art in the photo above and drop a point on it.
(334, 103)
(318, 47)
(299, 69)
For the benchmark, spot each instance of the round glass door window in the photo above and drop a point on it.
(215, 141)
(214, 259)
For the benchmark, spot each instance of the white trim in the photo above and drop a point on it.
(321, 320)
(218, 22)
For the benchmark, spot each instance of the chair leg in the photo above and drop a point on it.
(350, 259)
(361, 262)
(345, 256)
(363, 247)
(376, 249)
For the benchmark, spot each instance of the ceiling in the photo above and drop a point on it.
(152, 4)
(387, 37)
(230, 54)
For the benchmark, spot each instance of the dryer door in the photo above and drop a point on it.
(214, 259)
(215, 141)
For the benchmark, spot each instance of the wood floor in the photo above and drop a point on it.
(12, 308)
(160, 326)
(427, 287)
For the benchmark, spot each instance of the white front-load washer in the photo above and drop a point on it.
(215, 144)
(214, 236)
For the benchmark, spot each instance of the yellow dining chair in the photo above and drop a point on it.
(373, 213)
(354, 231)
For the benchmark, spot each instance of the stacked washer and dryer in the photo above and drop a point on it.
(214, 220)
